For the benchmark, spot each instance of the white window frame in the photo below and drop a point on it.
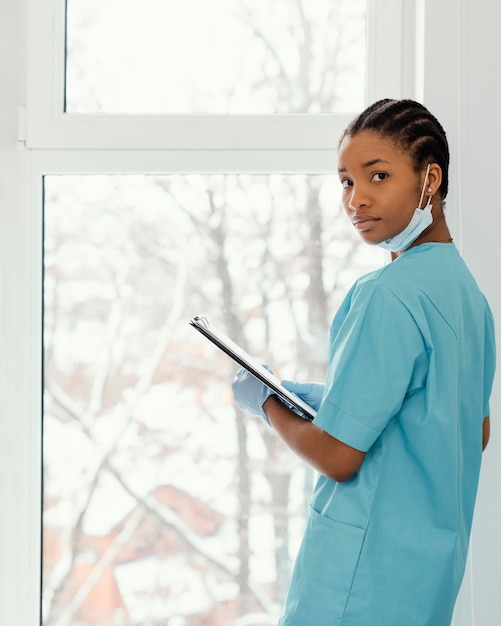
(49, 127)
(60, 143)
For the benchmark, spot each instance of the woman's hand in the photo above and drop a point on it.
(250, 393)
(311, 393)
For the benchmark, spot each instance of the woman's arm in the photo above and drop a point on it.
(327, 455)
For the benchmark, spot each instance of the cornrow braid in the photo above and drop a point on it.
(412, 127)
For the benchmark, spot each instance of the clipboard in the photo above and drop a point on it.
(244, 359)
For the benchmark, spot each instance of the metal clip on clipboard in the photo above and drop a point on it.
(240, 356)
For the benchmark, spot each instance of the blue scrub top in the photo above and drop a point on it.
(410, 371)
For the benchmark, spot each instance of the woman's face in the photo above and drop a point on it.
(381, 190)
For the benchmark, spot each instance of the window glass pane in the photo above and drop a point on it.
(222, 56)
(162, 503)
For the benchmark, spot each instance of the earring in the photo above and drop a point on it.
(429, 190)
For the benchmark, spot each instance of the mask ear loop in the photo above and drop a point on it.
(424, 187)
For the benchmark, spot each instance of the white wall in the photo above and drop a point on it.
(461, 49)
(460, 84)
(480, 136)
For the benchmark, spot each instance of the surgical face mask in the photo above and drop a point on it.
(421, 219)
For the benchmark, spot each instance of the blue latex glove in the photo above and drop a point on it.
(311, 393)
(250, 393)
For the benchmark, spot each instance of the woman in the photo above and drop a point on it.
(403, 415)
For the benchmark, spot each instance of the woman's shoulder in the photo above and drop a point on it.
(425, 278)
(419, 268)
(379, 286)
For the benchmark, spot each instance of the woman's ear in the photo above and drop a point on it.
(434, 179)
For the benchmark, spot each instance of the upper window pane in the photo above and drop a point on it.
(217, 57)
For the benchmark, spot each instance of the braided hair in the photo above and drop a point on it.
(412, 127)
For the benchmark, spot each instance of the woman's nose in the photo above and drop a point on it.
(357, 199)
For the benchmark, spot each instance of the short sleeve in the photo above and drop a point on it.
(377, 356)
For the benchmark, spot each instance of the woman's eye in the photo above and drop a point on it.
(346, 183)
(379, 176)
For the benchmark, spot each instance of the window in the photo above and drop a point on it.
(298, 104)
(92, 169)
(187, 511)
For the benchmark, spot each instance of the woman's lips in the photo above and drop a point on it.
(364, 222)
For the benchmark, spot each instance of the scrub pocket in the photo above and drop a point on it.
(323, 573)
